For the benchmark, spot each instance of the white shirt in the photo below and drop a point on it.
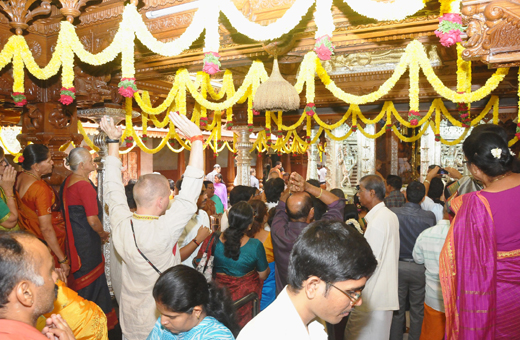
(382, 234)
(199, 220)
(224, 223)
(255, 182)
(322, 174)
(156, 238)
(429, 205)
(281, 321)
(427, 251)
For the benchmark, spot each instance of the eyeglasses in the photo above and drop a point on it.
(353, 296)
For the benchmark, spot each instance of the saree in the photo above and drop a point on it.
(84, 248)
(240, 287)
(5, 213)
(40, 200)
(480, 285)
(86, 320)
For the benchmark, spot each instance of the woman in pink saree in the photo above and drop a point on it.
(480, 261)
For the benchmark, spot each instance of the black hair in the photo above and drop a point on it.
(171, 182)
(332, 251)
(447, 192)
(394, 181)
(304, 210)
(240, 193)
(436, 190)
(259, 212)
(178, 184)
(219, 176)
(16, 264)
(277, 163)
(181, 288)
(129, 191)
(320, 208)
(273, 189)
(478, 151)
(206, 183)
(34, 154)
(415, 192)
(350, 211)
(240, 218)
(338, 192)
(490, 128)
(270, 215)
(376, 183)
(314, 182)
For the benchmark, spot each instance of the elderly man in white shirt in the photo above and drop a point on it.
(146, 241)
(373, 320)
(328, 268)
(211, 175)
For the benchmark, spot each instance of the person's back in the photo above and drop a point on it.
(412, 221)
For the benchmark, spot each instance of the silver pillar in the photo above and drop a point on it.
(313, 157)
(366, 153)
(334, 151)
(244, 157)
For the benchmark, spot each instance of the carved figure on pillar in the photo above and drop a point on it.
(313, 157)
(348, 161)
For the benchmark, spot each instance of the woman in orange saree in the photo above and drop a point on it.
(480, 261)
(38, 208)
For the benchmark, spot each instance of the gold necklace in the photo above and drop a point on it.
(31, 174)
(500, 177)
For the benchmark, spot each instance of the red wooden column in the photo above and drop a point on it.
(181, 162)
(230, 169)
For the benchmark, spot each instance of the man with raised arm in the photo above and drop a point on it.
(146, 240)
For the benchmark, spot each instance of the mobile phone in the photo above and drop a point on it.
(442, 172)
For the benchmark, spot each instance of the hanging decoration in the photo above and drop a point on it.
(211, 63)
(450, 29)
(67, 95)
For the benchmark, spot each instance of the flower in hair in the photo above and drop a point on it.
(20, 159)
(511, 152)
(496, 152)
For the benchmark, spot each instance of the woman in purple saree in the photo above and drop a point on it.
(480, 261)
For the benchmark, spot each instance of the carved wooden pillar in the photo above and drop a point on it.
(181, 161)
(53, 125)
(230, 168)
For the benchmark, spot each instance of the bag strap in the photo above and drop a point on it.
(140, 252)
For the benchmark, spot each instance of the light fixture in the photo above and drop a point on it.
(172, 10)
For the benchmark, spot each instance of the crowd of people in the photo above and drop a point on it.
(282, 259)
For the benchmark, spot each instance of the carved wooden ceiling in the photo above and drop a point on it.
(363, 48)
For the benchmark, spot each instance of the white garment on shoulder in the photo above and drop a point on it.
(429, 205)
(374, 325)
(199, 220)
(224, 223)
(381, 290)
(281, 321)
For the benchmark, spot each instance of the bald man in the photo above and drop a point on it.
(146, 241)
(293, 213)
(28, 289)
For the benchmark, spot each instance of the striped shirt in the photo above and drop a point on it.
(427, 251)
(208, 329)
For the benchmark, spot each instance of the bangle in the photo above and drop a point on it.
(64, 260)
(109, 140)
(11, 196)
(321, 192)
(195, 241)
(426, 181)
(194, 138)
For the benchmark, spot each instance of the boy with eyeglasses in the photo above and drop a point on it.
(328, 268)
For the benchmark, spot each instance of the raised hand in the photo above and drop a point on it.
(108, 126)
(184, 126)
(453, 173)
(202, 234)
(296, 183)
(7, 179)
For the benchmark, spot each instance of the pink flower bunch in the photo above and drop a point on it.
(413, 117)
(67, 95)
(310, 109)
(450, 29)
(19, 98)
(211, 63)
(127, 87)
(324, 48)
